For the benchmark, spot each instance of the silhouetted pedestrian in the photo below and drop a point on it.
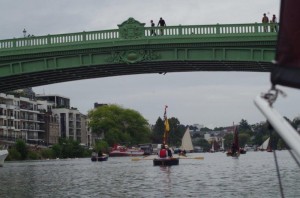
(265, 21)
(152, 28)
(162, 24)
(274, 23)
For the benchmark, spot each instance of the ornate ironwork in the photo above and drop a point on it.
(131, 29)
(132, 56)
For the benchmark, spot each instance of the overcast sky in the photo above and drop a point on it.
(210, 98)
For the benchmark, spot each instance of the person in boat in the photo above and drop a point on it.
(100, 154)
(169, 151)
(163, 152)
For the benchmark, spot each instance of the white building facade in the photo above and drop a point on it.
(22, 118)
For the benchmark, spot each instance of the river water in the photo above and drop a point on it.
(252, 175)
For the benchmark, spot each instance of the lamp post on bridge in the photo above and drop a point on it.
(24, 32)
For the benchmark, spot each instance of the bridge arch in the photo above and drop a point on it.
(129, 50)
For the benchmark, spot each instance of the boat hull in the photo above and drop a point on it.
(3, 155)
(166, 162)
(230, 154)
(99, 159)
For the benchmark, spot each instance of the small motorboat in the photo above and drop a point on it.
(96, 158)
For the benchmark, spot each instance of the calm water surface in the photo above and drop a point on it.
(252, 175)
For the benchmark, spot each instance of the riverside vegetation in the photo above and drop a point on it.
(129, 127)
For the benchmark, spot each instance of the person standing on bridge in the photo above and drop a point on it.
(162, 24)
(265, 21)
(274, 23)
(152, 28)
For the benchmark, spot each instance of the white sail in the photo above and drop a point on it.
(186, 142)
(212, 147)
(264, 146)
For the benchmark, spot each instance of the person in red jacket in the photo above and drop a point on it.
(163, 152)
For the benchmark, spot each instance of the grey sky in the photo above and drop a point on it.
(209, 98)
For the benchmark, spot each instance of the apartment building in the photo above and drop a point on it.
(71, 123)
(41, 119)
(23, 118)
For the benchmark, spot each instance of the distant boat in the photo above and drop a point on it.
(266, 146)
(212, 150)
(96, 158)
(235, 147)
(249, 148)
(122, 151)
(186, 142)
(3, 155)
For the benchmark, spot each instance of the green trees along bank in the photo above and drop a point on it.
(119, 125)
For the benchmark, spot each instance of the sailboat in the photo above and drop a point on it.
(235, 147)
(186, 142)
(166, 161)
(266, 146)
(212, 150)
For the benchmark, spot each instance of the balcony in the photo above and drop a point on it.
(9, 106)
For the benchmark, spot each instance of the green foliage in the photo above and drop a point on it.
(47, 153)
(244, 126)
(158, 131)
(203, 143)
(175, 135)
(22, 149)
(33, 155)
(228, 139)
(176, 132)
(204, 129)
(119, 124)
(57, 150)
(218, 128)
(67, 148)
(244, 138)
(13, 154)
(102, 146)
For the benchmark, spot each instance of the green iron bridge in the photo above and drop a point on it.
(131, 49)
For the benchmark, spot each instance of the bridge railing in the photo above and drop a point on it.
(105, 35)
(253, 28)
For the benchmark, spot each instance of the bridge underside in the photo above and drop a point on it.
(160, 67)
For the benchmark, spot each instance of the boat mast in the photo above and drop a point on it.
(236, 139)
(167, 127)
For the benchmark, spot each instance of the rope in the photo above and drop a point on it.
(294, 157)
(278, 174)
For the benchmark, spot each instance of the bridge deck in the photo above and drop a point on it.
(131, 49)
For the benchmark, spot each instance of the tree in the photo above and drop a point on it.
(101, 146)
(244, 138)
(158, 131)
(205, 129)
(68, 148)
(228, 139)
(203, 143)
(244, 126)
(176, 132)
(119, 124)
(22, 149)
